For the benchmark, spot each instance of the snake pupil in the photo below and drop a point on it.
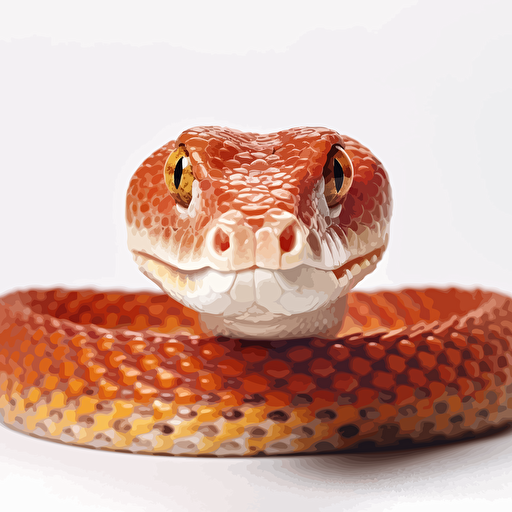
(338, 175)
(178, 171)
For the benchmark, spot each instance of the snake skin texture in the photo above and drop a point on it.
(141, 373)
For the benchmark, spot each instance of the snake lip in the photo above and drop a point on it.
(372, 258)
(364, 261)
(158, 260)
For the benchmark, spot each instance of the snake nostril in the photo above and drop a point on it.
(287, 239)
(221, 241)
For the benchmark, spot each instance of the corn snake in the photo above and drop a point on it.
(256, 235)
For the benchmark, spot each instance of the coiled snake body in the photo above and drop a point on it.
(257, 348)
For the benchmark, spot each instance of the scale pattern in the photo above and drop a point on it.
(254, 174)
(412, 366)
(133, 372)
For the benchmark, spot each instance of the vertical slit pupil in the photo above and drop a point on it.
(178, 171)
(339, 176)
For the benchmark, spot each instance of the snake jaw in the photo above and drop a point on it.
(262, 302)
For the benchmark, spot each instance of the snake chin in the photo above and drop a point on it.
(259, 302)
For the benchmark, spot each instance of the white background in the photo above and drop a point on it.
(88, 91)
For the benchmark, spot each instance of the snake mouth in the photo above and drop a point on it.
(355, 266)
(349, 269)
(144, 256)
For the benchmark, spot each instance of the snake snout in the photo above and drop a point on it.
(233, 244)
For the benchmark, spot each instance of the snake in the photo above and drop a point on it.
(258, 346)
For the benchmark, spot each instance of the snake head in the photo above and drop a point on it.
(263, 235)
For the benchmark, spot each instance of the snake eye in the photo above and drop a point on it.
(338, 174)
(178, 175)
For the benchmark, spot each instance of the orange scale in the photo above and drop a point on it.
(210, 382)
(375, 351)
(365, 396)
(300, 383)
(277, 399)
(277, 369)
(477, 351)
(95, 372)
(172, 348)
(472, 368)
(25, 345)
(85, 318)
(75, 385)
(339, 352)
(105, 342)
(166, 380)
(323, 398)
(395, 363)
(184, 396)
(128, 375)
(466, 386)
(321, 367)
(287, 207)
(404, 395)
(299, 354)
(437, 389)
(254, 354)
(386, 412)
(344, 382)
(189, 364)
(459, 339)
(115, 358)
(210, 351)
(139, 323)
(111, 320)
(231, 398)
(28, 360)
(38, 334)
(66, 370)
(406, 348)
(434, 344)
(454, 356)
(44, 365)
(360, 366)
(107, 390)
(426, 360)
(40, 349)
(446, 373)
(231, 367)
(31, 377)
(49, 383)
(156, 309)
(383, 380)
(144, 393)
(255, 383)
(148, 362)
(417, 377)
(479, 334)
